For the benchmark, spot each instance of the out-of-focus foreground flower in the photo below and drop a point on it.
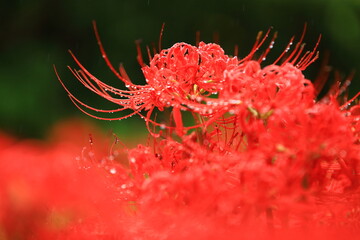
(245, 152)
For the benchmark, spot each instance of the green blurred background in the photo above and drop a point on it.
(37, 34)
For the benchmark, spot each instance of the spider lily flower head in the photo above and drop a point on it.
(187, 71)
(199, 79)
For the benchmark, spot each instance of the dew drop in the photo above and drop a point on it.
(234, 101)
(112, 170)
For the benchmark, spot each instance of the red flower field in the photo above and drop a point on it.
(236, 150)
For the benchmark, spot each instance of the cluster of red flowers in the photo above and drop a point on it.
(247, 152)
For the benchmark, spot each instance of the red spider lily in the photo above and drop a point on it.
(184, 77)
(265, 158)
